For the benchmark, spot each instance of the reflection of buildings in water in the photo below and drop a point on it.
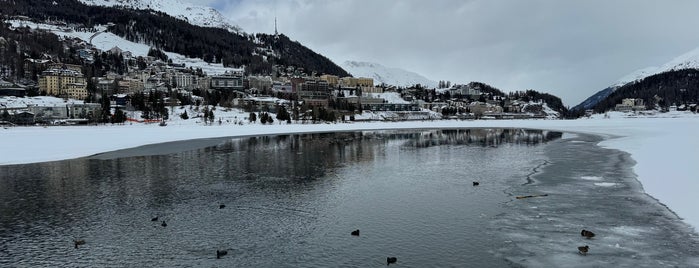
(295, 158)
(483, 137)
(62, 181)
(47, 190)
(296, 154)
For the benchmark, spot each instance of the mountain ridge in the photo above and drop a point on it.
(688, 60)
(195, 14)
(258, 54)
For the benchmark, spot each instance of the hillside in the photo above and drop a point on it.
(104, 42)
(258, 54)
(194, 14)
(385, 75)
(593, 100)
(671, 87)
(689, 60)
(553, 102)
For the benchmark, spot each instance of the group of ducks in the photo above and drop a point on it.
(219, 253)
(389, 260)
(163, 224)
(585, 233)
(584, 249)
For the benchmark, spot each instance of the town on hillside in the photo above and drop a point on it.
(114, 86)
(150, 85)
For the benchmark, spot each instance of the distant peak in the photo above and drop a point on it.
(688, 60)
(386, 75)
(361, 63)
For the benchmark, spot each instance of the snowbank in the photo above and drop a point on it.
(665, 149)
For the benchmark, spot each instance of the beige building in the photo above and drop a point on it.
(332, 80)
(482, 108)
(356, 81)
(130, 86)
(372, 90)
(365, 82)
(63, 82)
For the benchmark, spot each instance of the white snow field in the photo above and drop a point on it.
(389, 76)
(664, 147)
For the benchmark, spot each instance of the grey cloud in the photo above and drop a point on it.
(567, 48)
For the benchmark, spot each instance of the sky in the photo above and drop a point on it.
(571, 49)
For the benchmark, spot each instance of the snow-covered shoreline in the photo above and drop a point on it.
(665, 149)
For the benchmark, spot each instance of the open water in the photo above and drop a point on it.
(292, 201)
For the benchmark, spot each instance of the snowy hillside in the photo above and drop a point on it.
(389, 97)
(689, 60)
(194, 14)
(386, 75)
(105, 41)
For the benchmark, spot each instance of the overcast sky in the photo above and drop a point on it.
(571, 49)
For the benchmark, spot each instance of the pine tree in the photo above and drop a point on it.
(206, 114)
(119, 117)
(253, 117)
(106, 109)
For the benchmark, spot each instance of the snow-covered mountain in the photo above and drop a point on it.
(105, 41)
(194, 14)
(689, 60)
(386, 75)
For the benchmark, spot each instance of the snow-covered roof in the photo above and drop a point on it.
(47, 101)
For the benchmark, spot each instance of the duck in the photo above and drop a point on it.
(475, 183)
(163, 224)
(78, 242)
(587, 234)
(390, 260)
(221, 206)
(154, 218)
(355, 232)
(221, 253)
(583, 250)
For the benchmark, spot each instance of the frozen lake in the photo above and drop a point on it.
(292, 201)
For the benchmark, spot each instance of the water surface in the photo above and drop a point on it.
(292, 201)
